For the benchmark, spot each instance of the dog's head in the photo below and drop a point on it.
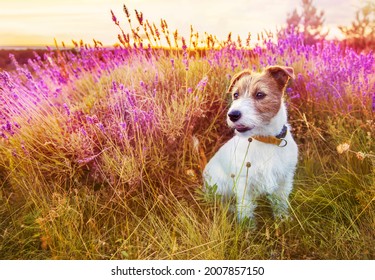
(257, 98)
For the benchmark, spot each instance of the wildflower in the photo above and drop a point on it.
(6, 80)
(57, 92)
(89, 119)
(342, 148)
(139, 17)
(83, 131)
(66, 107)
(92, 119)
(186, 63)
(101, 127)
(185, 54)
(360, 155)
(114, 87)
(114, 19)
(8, 126)
(202, 83)
(25, 151)
(190, 173)
(126, 11)
(16, 125)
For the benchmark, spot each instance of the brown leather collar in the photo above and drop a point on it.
(278, 140)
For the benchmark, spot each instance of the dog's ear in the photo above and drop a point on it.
(281, 74)
(236, 77)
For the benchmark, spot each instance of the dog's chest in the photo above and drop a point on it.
(263, 166)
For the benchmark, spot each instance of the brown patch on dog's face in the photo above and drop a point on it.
(265, 90)
(236, 77)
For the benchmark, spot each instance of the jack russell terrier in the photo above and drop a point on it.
(262, 157)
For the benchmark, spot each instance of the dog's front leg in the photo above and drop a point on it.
(279, 200)
(245, 201)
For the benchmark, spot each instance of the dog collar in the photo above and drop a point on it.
(278, 140)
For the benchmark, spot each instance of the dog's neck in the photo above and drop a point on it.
(276, 124)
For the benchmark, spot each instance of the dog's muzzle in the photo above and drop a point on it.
(234, 115)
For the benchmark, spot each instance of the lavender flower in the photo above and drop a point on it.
(67, 110)
(202, 83)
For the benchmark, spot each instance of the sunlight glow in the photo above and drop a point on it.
(37, 23)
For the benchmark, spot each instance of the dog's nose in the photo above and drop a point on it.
(234, 115)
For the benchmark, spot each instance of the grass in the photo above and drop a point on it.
(110, 168)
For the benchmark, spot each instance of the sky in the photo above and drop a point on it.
(39, 22)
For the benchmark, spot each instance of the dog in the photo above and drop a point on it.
(262, 156)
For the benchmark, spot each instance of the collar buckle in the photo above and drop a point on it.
(283, 143)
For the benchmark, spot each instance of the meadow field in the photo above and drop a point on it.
(101, 150)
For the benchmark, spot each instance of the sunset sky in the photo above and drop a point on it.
(38, 22)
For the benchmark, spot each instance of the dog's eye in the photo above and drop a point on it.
(235, 95)
(260, 95)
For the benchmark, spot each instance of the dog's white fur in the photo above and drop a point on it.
(271, 168)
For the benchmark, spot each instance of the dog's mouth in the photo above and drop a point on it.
(242, 128)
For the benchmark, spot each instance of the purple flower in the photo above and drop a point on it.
(101, 127)
(114, 87)
(8, 126)
(114, 19)
(83, 131)
(67, 110)
(123, 125)
(185, 54)
(92, 119)
(202, 83)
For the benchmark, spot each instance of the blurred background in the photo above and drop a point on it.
(26, 25)
(36, 23)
